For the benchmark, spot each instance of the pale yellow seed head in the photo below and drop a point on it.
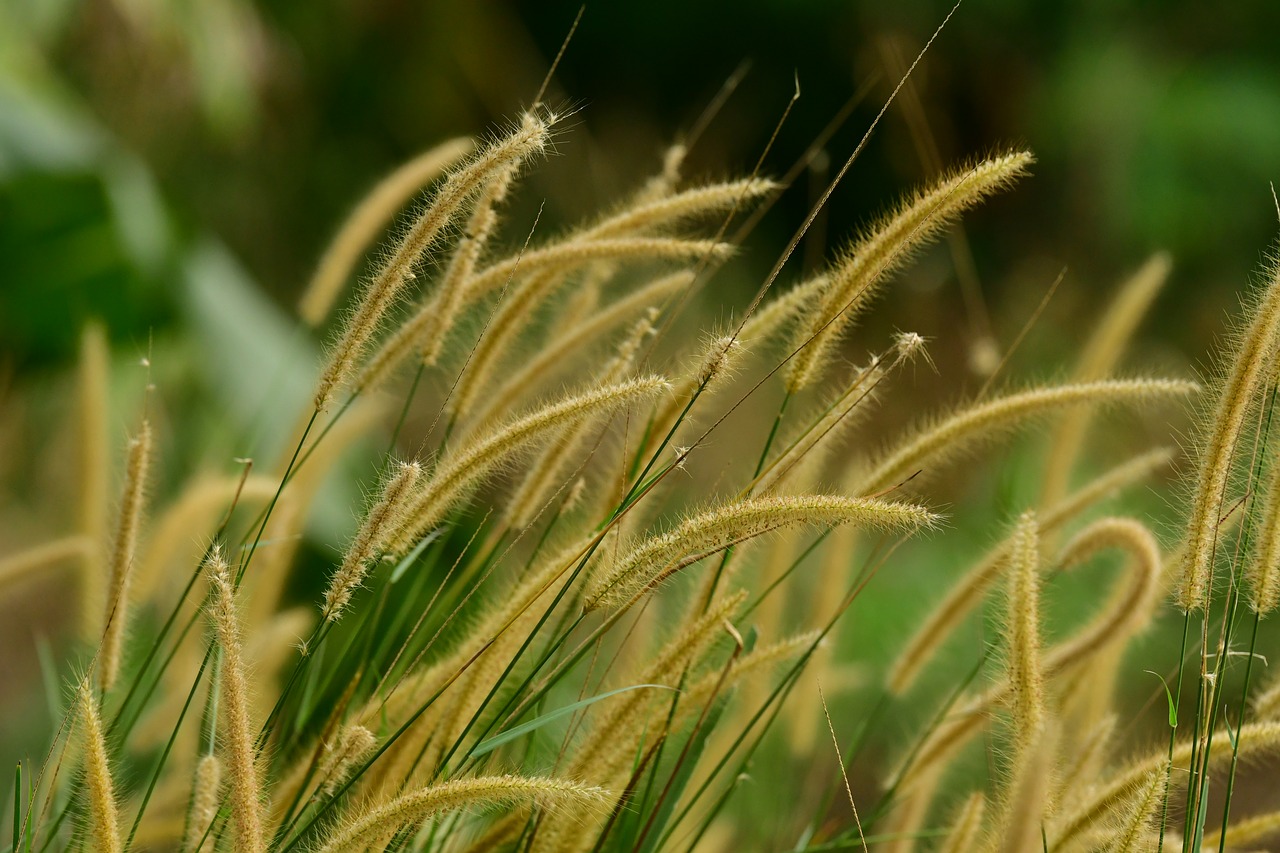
(1022, 633)
(104, 819)
(462, 471)
(370, 217)
(932, 446)
(382, 292)
(123, 554)
(238, 732)
(382, 519)
(205, 793)
(1216, 444)
(852, 282)
(374, 822)
(650, 561)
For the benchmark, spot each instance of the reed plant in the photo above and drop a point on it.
(555, 628)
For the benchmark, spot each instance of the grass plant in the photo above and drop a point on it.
(556, 628)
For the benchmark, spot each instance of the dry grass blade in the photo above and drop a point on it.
(369, 218)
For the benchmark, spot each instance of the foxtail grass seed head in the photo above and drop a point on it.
(652, 560)
(375, 822)
(658, 214)
(238, 733)
(569, 346)
(123, 553)
(1022, 634)
(1217, 438)
(546, 475)
(1101, 352)
(968, 591)
(966, 828)
(953, 435)
(353, 747)
(1132, 607)
(460, 472)
(1020, 825)
(852, 282)
(1142, 814)
(104, 819)
(205, 792)
(361, 324)
(383, 518)
(370, 217)
(1262, 571)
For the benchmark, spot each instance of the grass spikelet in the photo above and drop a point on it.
(966, 827)
(1217, 440)
(449, 295)
(715, 365)
(104, 819)
(775, 316)
(1254, 739)
(380, 294)
(1262, 570)
(1142, 812)
(205, 790)
(851, 282)
(650, 561)
(1022, 635)
(123, 552)
(370, 217)
(559, 259)
(94, 460)
(1098, 358)
(383, 517)
(568, 346)
(968, 591)
(354, 744)
(460, 472)
(237, 731)
(520, 307)
(666, 211)
(955, 434)
(1244, 832)
(541, 271)
(545, 475)
(375, 823)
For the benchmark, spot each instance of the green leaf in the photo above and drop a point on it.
(490, 744)
(1173, 709)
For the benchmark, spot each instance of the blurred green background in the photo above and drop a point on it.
(131, 130)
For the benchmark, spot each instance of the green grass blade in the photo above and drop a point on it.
(490, 744)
